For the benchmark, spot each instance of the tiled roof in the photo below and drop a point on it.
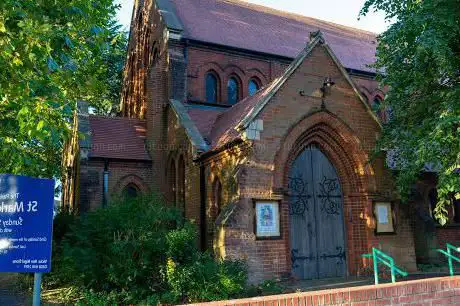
(118, 138)
(196, 138)
(204, 118)
(257, 28)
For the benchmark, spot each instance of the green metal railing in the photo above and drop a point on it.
(378, 256)
(450, 257)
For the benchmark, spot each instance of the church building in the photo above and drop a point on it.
(260, 126)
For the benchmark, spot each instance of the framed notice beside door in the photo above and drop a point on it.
(384, 218)
(267, 219)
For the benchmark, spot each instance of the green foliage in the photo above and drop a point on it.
(120, 249)
(53, 53)
(138, 251)
(204, 279)
(420, 57)
(62, 223)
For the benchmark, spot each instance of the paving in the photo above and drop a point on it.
(10, 293)
(323, 284)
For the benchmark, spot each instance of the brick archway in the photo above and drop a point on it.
(341, 146)
(131, 179)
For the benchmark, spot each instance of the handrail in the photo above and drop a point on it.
(450, 257)
(378, 256)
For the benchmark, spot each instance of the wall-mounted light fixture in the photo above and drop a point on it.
(328, 83)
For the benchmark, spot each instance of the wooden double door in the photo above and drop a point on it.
(317, 237)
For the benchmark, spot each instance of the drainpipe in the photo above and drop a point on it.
(203, 233)
(105, 184)
(185, 97)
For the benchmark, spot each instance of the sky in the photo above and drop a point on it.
(343, 12)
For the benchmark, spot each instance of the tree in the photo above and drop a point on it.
(419, 55)
(53, 53)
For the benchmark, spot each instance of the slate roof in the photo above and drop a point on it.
(118, 138)
(196, 138)
(204, 118)
(258, 28)
(224, 130)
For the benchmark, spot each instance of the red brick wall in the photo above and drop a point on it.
(346, 133)
(147, 44)
(200, 60)
(448, 234)
(178, 144)
(435, 291)
(156, 118)
(225, 64)
(121, 173)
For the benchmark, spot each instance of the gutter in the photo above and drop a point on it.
(105, 184)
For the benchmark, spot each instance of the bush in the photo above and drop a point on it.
(196, 277)
(205, 279)
(139, 251)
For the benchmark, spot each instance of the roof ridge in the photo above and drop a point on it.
(297, 17)
(264, 87)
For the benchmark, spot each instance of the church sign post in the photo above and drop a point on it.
(26, 221)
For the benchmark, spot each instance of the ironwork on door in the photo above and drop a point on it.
(316, 217)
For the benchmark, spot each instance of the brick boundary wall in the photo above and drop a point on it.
(432, 291)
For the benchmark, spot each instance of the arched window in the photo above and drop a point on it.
(377, 107)
(233, 91)
(155, 55)
(211, 87)
(216, 197)
(131, 191)
(172, 180)
(253, 87)
(181, 182)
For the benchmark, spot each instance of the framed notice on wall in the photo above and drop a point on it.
(384, 218)
(267, 219)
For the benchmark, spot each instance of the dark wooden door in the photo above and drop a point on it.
(316, 217)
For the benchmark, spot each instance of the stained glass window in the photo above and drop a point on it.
(232, 91)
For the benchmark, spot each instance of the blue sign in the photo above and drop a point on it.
(26, 223)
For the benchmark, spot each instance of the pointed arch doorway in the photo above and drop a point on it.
(317, 236)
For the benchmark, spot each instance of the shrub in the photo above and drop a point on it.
(205, 279)
(139, 251)
(194, 277)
